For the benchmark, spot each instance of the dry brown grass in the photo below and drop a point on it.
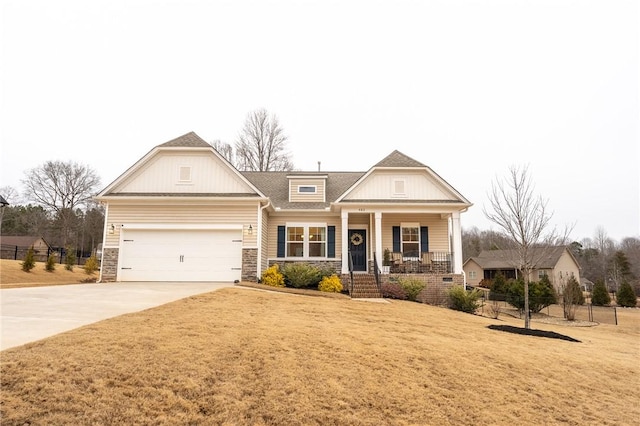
(242, 356)
(12, 275)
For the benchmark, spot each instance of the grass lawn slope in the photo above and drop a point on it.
(12, 275)
(247, 357)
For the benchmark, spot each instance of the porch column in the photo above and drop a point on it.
(456, 231)
(378, 229)
(344, 241)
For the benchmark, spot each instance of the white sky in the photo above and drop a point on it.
(466, 87)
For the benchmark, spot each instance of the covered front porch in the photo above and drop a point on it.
(416, 242)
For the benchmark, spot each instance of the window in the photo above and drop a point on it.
(307, 189)
(306, 241)
(541, 273)
(472, 275)
(184, 174)
(410, 240)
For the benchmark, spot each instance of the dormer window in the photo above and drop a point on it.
(307, 189)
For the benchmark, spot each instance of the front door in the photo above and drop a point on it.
(358, 248)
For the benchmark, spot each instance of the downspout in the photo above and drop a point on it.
(259, 262)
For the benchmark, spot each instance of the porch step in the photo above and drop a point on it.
(364, 286)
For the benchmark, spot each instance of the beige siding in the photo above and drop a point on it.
(381, 185)
(470, 267)
(318, 196)
(438, 229)
(565, 268)
(162, 175)
(180, 214)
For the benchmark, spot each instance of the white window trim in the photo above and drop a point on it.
(315, 189)
(305, 241)
(394, 183)
(410, 225)
(180, 171)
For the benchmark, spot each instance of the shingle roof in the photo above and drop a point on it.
(187, 140)
(21, 240)
(398, 159)
(546, 258)
(275, 185)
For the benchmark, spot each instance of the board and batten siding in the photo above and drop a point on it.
(275, 222)
(317, 197)
(179, 215)
(417, 186)
(162, 174)
(438, 229)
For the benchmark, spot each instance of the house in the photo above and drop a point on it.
(558, 263)
(184, 213)
(15, 247)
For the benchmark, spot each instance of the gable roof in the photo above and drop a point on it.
(21, 240)
(547, 257)
(398, 159)
(187, 140)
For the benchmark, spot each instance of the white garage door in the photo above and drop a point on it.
(181, 255)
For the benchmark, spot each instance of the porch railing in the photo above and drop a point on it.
(439, 262)
(376, 272)
(350, 262)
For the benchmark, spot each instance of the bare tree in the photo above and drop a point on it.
(224, 149)
(60, 187)
(524, 219)
(261, 145)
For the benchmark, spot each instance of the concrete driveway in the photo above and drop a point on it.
(30, 314)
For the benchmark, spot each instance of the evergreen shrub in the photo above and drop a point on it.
(626, 296)
(69, 259)
(463, 300)
(301, 275)
(29, 261)
(412, 287)
(50, 265)
(600, 296)
(91, 265)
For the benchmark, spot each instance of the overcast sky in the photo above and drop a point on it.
(467, 87)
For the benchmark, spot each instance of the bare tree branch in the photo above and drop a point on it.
(261, 145)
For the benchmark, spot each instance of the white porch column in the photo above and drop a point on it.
(344, 241)
(378, 230)
(456, 231)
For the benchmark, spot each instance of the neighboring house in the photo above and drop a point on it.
(15, 247)
(556, 262)
(184, 213)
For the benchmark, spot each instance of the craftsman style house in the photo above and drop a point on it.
(184, 213)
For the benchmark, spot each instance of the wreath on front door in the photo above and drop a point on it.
(356, 239)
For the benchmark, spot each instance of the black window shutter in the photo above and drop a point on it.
(281, 240)
(424, 239)
(396, 239)
(331, 241)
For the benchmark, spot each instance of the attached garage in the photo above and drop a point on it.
(180, 255)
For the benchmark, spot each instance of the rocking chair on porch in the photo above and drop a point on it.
(397, 263)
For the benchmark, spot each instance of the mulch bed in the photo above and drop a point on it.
(532, 332)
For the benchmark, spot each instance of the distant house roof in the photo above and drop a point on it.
(546, 258)
(3, 202)
(21, 240)
(187, 140)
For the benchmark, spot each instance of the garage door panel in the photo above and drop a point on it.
(179, 255)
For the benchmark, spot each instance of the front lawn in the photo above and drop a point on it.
(242, 356)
